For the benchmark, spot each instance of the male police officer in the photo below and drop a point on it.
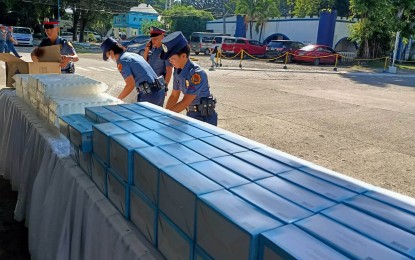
(160, 67)
(68, 53)
(190, 79)
(136, 72)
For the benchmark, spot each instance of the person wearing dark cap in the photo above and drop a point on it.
(160, 67)
(136, 72)
(190, 79)
(68, 53)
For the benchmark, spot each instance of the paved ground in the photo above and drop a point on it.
(357, 124)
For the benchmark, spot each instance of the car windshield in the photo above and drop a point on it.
(276, 44)
(22, 30)
(229, 41)
(194, 39)
(308, 48)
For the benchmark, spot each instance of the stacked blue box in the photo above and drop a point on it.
(199, 254)
(174, 134)
(116, 109)
(228, 227)
(385, 212)
(149, 123)
(397, 239)
(101, 139)
(393, 199)
(143, 213)
(340, 180)
(290, 242)
(282, 157)
(154, 138)
(110, 117)
(192, 131)
(348, 242)
(118, 192)
(296, 194)
(147, 165)
(149, 113)
(99, 174)
(169, 121)
(80, 134)
(131, 127)
(65, 121)
(207, 127)
(171, 241)
(93, 112)
(242, 141)
(263, 162)
(179, 188)
(204, 149)
(131, 115)
(242, 168)
(223, 144)
(81, 158)
(182, 153)
(219, 174)
(276, 206)
(317, 185)
(122, 148)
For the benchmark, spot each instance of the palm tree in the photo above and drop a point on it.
(264, 10)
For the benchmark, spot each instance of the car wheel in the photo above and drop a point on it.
(207, 52)
(196, 52)
(316, 62)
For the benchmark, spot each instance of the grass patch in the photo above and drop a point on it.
(406, 66)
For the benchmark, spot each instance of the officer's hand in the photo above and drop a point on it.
(149, 45)
(65, 59)
(38, 52)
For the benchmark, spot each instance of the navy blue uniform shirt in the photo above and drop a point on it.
(66, 48)
(158, 65)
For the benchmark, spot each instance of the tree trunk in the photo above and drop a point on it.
(76, 14)
(251, 23)
(84, 21)
(366, 50)
(260, 32)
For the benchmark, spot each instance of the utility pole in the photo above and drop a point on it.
(224, 16)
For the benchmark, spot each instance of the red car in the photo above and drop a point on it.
(316, 54)
(250, 46)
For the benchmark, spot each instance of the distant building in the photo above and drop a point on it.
(131, 23)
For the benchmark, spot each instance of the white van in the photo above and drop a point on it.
(23, 36)
(201, 42)
(219, 40)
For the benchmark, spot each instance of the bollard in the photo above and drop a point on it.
(286, 60)
(242, 56)
(386, 64)
(335, 64)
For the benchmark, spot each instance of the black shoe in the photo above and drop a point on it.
(19, 56)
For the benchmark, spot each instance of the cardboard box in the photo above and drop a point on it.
(15, 65)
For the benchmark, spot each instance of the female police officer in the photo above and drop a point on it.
(190, 79)
(68, 53)
(136, 72)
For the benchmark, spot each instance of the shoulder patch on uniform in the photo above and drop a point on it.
(119, 66)
(196, 79)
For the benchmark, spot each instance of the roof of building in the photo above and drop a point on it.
(144, 8)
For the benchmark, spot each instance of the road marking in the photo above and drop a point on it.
(108, 69)
(93, 68)
(80, 68)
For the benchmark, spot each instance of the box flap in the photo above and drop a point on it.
(7, 57)
(50, 54)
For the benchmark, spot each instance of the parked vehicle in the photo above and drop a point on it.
(227, 45)
(278, 48)
(67, 36)
(316, 54)
(250, 46)
(137, 48)
(201, 42)
(23, 35)
(135, 39)
(219, 40)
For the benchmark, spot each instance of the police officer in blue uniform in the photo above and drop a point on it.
(190, 79)
(10, 42)
(136, 72)
(3, 35)
(68, 53)
(160, 67)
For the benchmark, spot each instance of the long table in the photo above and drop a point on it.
(67, 216)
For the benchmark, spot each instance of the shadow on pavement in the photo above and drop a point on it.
(382, 81)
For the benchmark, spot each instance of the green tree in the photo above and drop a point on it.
(264, 10)
(145, 27)
(186, 19)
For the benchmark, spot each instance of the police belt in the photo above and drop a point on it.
(148, 88)
(206, 107)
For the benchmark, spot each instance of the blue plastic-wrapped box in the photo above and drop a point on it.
(130, 115)
(318, 185)
(242, 168)
(199, 254)
(143, 214)
(65, 121)
(93, 112)
(101, 139)
(169, 121)
(289, 242)
(80, 134)
(179, 188)
(99, 174)
(192, 131)
(154, 138)
(350, 243)
(149, 123)
(171, 241)
(219, 174)
(122, 148)
(174, 134)
(204, 149)
(110, 117)
(282, 157)
(242, 141)
(182, 153)
(131, 126)
(223, 144)
(118, 192)
(387, 234)
(385, 212)
(263, 162)
(278, 207)
(394, 199)
(229, 227)
(296, 194)
(147, 165)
